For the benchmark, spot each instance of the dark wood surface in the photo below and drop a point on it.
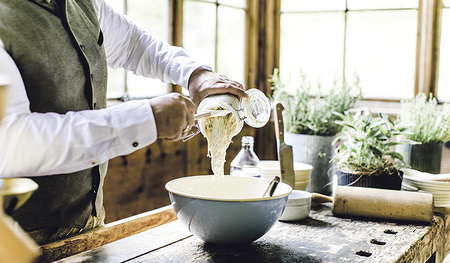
(319, 238)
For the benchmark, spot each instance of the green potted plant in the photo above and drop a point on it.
(430, 129)
(310, 123)
(364, 155)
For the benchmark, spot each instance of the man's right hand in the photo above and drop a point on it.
(174, 114)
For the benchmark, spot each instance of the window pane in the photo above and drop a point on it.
(116, 4)
(236, 3)
(115, 83)
(116, 88)
(312, 43)
(231, 43)
(444, 63)
(382, 4)
(311, 5)
(381, 49)
(153, 18)
(199, 29)
(447, 3)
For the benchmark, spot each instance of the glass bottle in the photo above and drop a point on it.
(246, 163)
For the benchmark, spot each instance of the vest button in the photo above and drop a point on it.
(82, 47)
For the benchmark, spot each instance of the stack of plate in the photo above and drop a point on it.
(436, 184)
(302, 171)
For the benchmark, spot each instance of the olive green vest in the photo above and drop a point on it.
(59, 52)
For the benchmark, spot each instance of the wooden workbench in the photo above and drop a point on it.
(319, 238)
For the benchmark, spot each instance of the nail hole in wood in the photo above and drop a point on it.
(390, 231)
(377, 242)
(363, 253)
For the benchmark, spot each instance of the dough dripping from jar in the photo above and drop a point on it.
(219, 132)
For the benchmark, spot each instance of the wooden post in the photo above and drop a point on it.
(427, 58)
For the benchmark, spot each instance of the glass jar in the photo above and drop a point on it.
(246, 162)
(253, 110)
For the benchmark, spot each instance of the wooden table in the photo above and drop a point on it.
(319, 238)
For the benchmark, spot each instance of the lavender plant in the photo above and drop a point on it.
(308, 112)
(429, 121)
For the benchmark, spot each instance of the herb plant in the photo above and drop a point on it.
(365, 144)
(430, 122)
(311, 113)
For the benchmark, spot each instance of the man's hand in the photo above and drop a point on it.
(203, 83)
(174, 115)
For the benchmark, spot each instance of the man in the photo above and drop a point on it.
(57, 130)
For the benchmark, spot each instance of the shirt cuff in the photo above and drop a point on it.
(136, 126)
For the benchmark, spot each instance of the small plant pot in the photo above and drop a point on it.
(422, 157)
(383, 180)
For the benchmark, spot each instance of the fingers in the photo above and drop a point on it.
(174, 115)
(206, 83)
(228, 86)
(190, 106)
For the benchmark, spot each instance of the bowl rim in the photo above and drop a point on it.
(27, 186)
(274, 197)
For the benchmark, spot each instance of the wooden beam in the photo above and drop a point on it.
(176, 30)
(428, 38)
(109, 233)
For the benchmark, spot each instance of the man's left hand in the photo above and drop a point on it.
(204, 83)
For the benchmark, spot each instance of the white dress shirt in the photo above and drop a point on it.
(36, 144)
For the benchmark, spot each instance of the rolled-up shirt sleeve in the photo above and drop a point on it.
(35, 144)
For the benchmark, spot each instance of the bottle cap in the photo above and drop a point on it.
(247, 140)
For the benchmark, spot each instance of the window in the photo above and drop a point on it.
(214, 34)
(386, 43)
(152, 16)
(393, 46)
(328, 40)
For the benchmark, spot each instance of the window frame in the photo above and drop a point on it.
(427, 50)
(263, 43)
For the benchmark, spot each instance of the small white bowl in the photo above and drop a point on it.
(301, 185)
(271, 168)
(298, 206)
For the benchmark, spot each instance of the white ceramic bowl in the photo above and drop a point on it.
(271, 168)
(16, 191)
(298, 206)
(229, 210)
(301, 185)
(436, 184)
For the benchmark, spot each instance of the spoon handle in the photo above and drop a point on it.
(211, 113)
(272, 186)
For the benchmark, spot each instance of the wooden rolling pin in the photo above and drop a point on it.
(350, 201)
